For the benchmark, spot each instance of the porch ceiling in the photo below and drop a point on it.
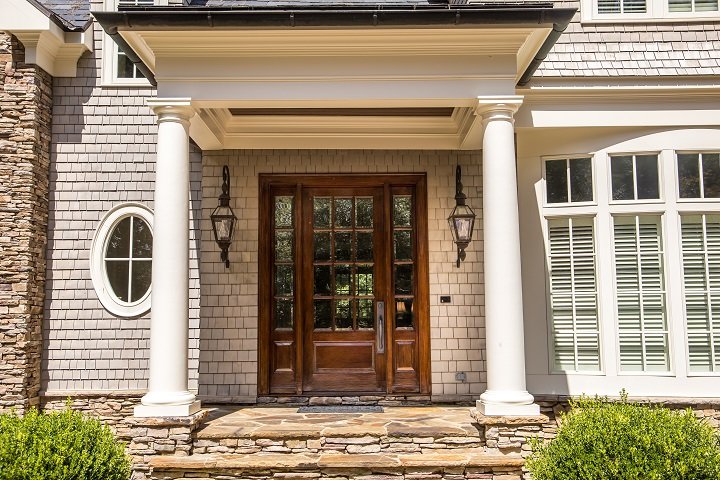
(336, 58)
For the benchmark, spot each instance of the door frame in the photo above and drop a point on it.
(295, 184)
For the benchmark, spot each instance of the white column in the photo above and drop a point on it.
(506, 392)
(168, 393)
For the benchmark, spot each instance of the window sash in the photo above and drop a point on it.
(573, 294)
(700, 239)
(640, 294)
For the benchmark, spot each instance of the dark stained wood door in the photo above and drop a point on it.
(343, 308)
(343, 285)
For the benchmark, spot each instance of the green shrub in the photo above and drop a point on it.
(601, 440)
(59, 446)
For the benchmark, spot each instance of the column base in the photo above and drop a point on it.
(507, 403)
(507, 410)
(167, 410)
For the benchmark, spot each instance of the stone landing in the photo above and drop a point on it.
(413, 443)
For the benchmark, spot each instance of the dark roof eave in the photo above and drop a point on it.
(58, 20)
(385, 16)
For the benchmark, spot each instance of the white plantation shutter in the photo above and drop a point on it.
(573, 294)
(701, 272)
(640, 280)
(693, 5)
(622, 6)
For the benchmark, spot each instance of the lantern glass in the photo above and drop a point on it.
(223, 221)
(462, 221)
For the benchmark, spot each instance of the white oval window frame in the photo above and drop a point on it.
(98, 273)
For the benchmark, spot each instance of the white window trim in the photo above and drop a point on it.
(703, 200)
(110, 52)
(657, 11)
(98, 272)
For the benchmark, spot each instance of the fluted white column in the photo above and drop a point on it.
(506, 392)
(168, 393)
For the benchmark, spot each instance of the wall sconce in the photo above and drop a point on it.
(223, 219)
(461, 220)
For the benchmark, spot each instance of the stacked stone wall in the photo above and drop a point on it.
(25, 122)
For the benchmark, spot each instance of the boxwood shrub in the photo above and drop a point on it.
(61, 445)
(602, 440)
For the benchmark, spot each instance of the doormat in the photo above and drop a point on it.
(341, 409)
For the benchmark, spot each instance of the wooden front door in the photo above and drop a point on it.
(343, 290)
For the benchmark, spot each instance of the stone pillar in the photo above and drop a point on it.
(25, 117)
(168, 394)
(506, 393)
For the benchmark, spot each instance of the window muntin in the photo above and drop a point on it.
(700, 237)
(635, 177)
(121, 260)
(573, 294)
(640, 293)
(698, 175)
(569, 180)
(283, 262)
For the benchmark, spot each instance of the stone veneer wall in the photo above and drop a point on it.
(25, 118)
(229, 309)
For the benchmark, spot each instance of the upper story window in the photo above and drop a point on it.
(568, 180)
(635, 177)
(121, 260)
(117, 67)
(647, 10)
(698, 175)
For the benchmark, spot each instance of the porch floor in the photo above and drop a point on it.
(282, 423)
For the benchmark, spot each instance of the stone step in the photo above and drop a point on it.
(283, 430)
(445, 465)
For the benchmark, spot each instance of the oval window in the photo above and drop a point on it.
(122, 260)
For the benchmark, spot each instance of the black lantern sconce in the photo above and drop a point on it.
(461, 220)
(223, 219)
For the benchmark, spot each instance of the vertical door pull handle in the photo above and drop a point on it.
(380, 327)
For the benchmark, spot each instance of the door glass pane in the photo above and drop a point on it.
(283, 212)
(711, 175)
(343, 212)
(283, 246)
(364, 212)
(342, 280)
(118, 245)
(283, 280)
(365, 246)
(321, 245)
(141, 279)
(321, 212)
(365, 313)
(402, 210)
(322, 280)
(647, 177)
(581, 187)
(404, 279)
(343, 315)
(403, 313)
(142, 239)
(283, 313)
(322, 316)
(343, 246)
(364, 280)
(556, 181)
(402, 246)
(688, 175)
(622, 178)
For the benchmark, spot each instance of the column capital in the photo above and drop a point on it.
(172, 109)
(505, 105)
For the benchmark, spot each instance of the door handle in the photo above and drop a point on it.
(380, 327)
